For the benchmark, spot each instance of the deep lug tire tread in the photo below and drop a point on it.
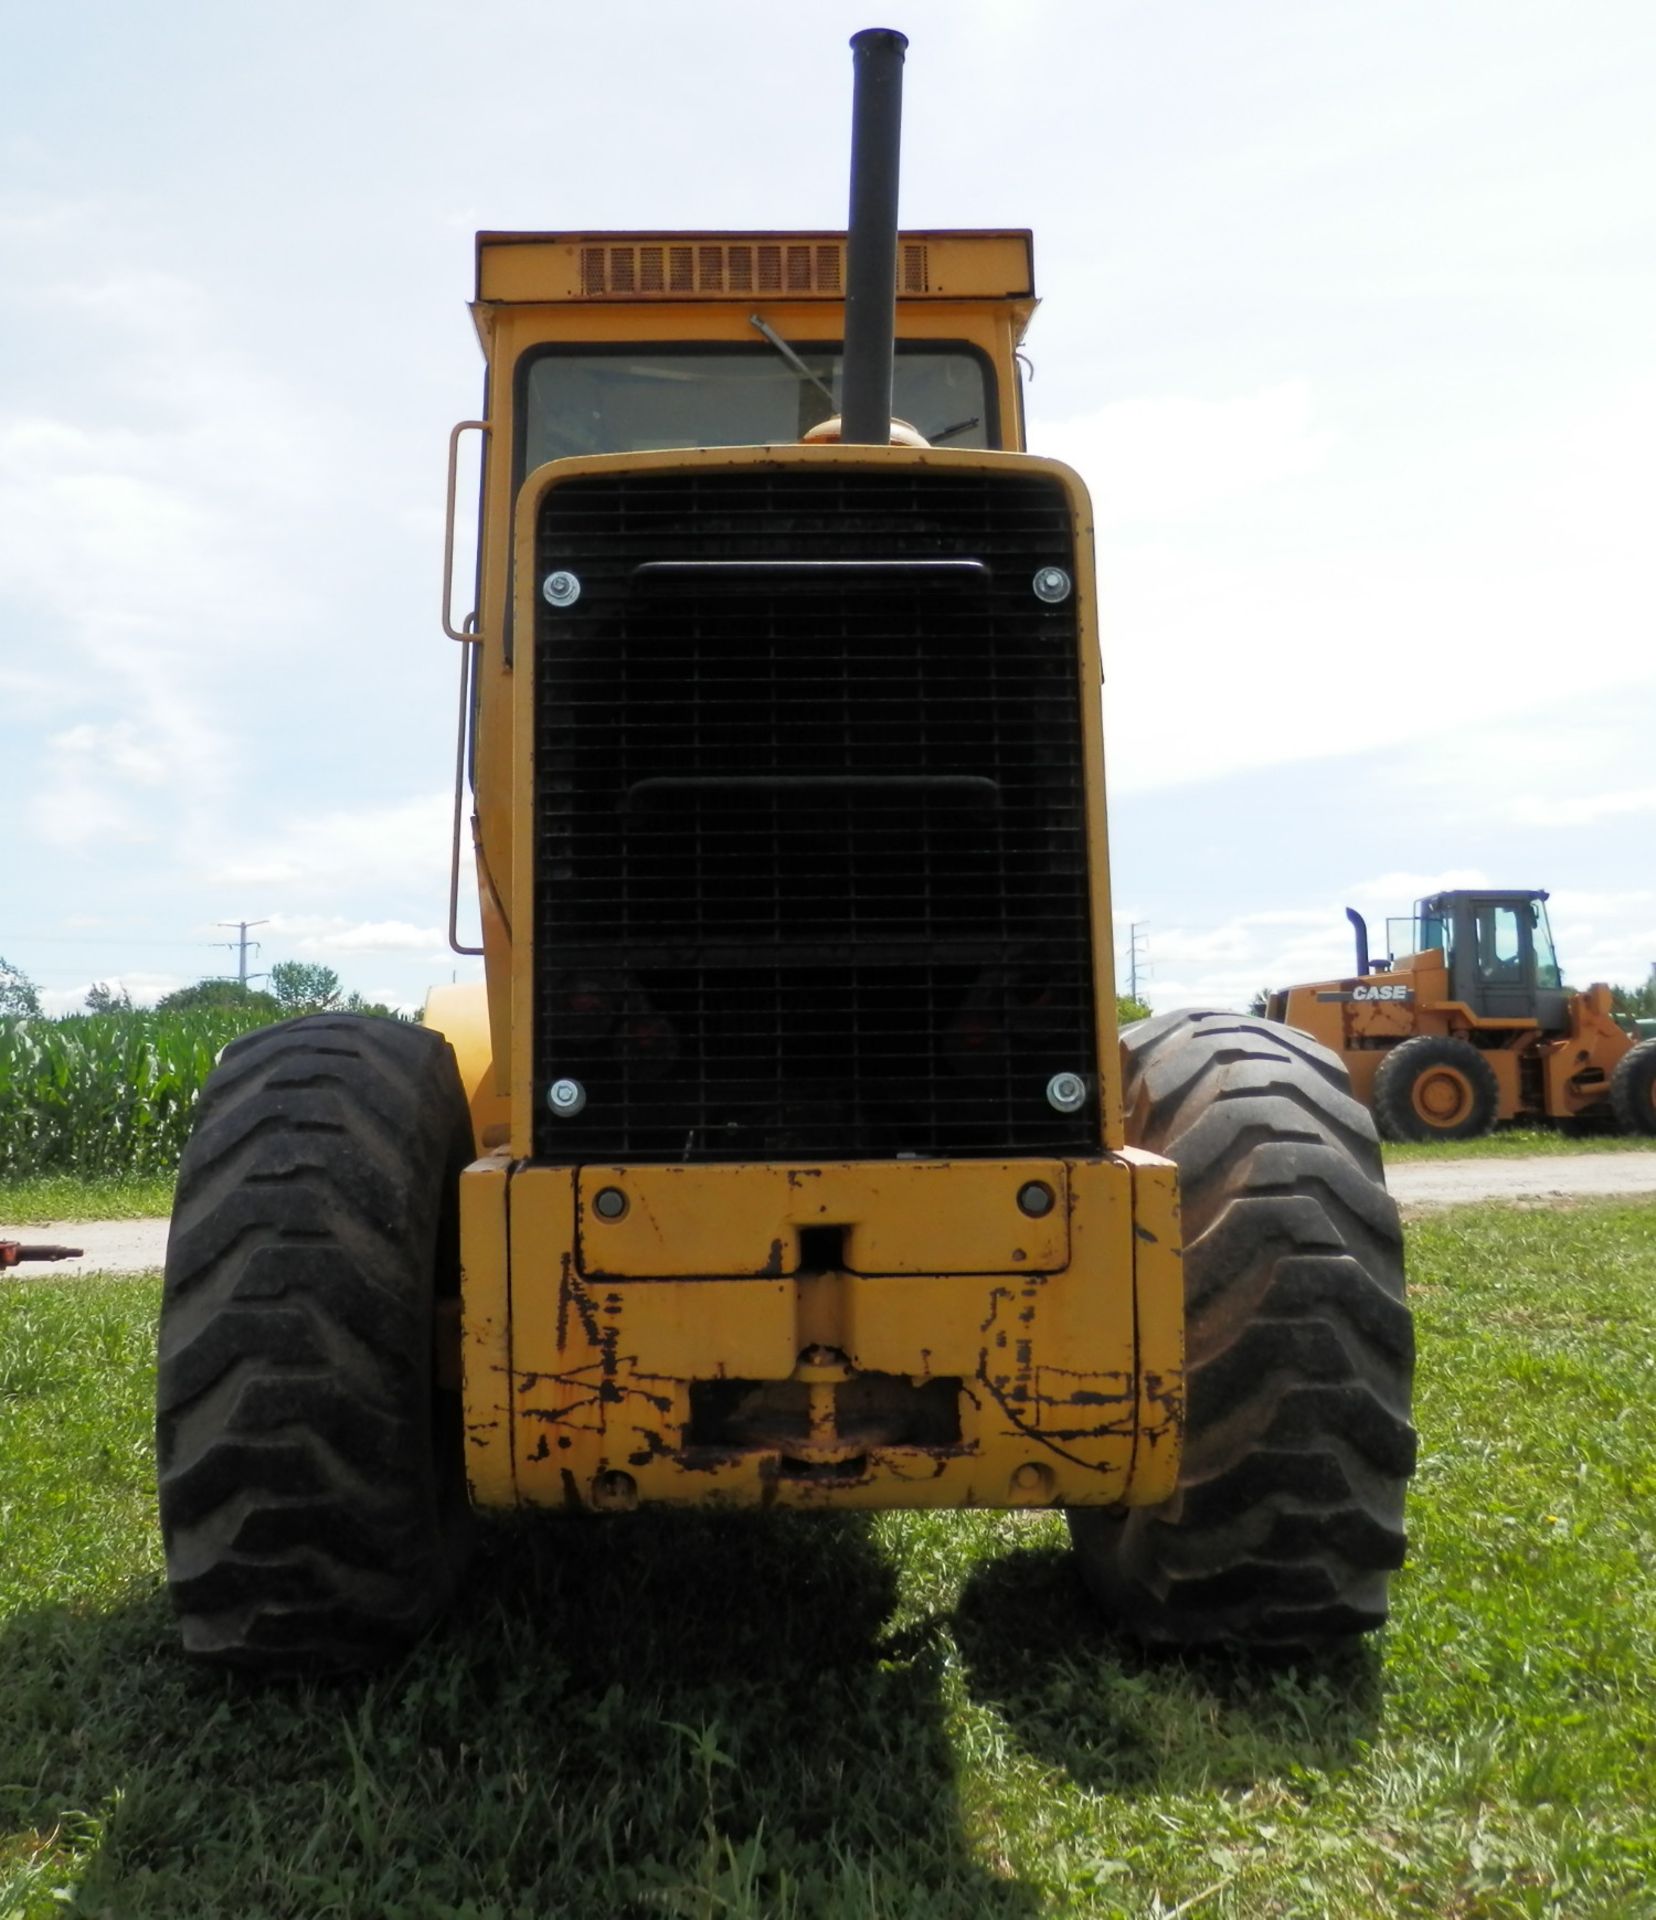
(1288, 1517)
(1394, 1079)
(312, 1500)
(1633, 1089)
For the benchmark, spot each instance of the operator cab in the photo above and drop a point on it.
(1499, 951)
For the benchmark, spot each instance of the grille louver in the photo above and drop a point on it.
(667, 268)
(810, 855)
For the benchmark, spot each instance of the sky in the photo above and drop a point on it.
(1349, 321)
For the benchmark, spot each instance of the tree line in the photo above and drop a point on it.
(294, 987)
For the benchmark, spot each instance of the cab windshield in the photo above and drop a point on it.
(1546, 955)
(647, 399)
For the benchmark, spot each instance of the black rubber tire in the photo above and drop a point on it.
(1633, 1089)
(1288, 1518)
(313, 1500)
(1409, 1064)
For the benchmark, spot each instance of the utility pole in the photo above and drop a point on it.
(240, 945)
(1138, 935)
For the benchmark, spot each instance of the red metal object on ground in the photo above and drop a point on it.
(13, 1252)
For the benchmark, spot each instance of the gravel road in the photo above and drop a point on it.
(112, 1246)
(1420, 1186)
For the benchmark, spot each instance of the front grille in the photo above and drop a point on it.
(810, 843)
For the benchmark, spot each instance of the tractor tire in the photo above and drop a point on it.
(1288, 1516)
(1633, 1089)
(1434, 1087)
(313, 1501)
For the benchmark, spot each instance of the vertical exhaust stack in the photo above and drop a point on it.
(1359, 926)
(871, 243)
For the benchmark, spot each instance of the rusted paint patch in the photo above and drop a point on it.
(1082, 1417)
(573, 1296)
(996, 1296)
(1166, 1395)
(917, 1464)
(654, 1448)
(585, 1391)
(1044, 1409)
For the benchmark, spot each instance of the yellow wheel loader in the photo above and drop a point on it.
(1467, 1023)
(790, 1156)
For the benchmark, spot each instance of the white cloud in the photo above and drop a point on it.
(120, 747)
(128, 782)
(57, 1001)
(37, 216)
(144, 528)
(1583, 810)
(317, 938)
(361, 851)
(145, 989)
(1168, 457)
(1582, 905)
(1273, 589)
(132, 500)
(1400, 891)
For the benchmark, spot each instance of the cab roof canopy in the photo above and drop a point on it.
(1484, 894)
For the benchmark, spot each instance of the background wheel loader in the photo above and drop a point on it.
(1470, 1023)
(790, 1156)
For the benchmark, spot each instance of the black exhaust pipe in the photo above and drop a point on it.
(1360, 928)
(871, 242)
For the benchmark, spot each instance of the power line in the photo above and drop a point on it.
(106, 940)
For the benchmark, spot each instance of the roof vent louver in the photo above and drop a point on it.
(671, 269)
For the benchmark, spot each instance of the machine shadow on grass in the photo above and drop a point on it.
(679, 1714)
(1119, 1719)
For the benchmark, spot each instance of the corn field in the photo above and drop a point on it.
(106, 1093)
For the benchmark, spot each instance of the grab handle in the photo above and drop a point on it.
(467, 630)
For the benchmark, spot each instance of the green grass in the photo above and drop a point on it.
(69, 1196)
(1512, 1143)
(905, 1716)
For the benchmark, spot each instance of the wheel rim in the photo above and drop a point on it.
(1442, 1097)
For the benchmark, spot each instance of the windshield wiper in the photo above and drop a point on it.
(827, 392)
(794, 360)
